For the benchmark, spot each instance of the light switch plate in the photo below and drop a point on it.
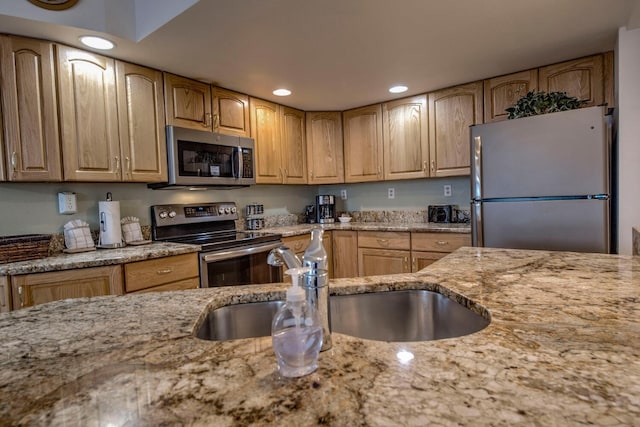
(67, 203)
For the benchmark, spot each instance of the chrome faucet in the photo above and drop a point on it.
(282, 255)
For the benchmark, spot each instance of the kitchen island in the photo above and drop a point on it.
(563, 348)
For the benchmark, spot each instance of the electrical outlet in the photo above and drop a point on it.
(391, 193)
(67, 203)
(447, 190)
(343, 194)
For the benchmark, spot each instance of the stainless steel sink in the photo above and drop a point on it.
(411, 315)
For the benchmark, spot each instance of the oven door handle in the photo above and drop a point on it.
(235, 253)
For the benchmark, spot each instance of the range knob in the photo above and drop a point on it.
(172, 214)
(162, 214)
(233, 209)
(227, 210)
(220, 210)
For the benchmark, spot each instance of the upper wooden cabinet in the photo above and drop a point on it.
(586, 78)
(88, 116)
(279, 134)
(187, 102)
(451, 112)
(503, 92)
(325, 159)
(230, 112)
(141, 120)
(29, 110)
(406, 138)
(363, 152)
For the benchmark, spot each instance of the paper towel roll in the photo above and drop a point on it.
(109, 217)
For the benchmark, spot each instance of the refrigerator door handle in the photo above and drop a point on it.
(477, 238)
(476, 168)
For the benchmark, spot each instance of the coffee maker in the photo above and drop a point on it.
(325, 209)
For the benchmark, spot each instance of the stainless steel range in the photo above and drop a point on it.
(228, 256)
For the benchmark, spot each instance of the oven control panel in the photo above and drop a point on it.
(165, 215)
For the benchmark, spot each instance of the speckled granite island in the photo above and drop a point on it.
(563, 348)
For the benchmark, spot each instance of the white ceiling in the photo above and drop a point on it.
(335, 54)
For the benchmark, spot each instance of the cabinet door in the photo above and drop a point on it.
(88, 116)
(503, 92)
(325, 162)
(373, 262)
(406, 140)
(582, 78)
(345, 253)
(293, 147)
(363, 144)
(420, 260)
(187, 102)
(265, 130)
(143, 144)
(230, 112)
(32, 289)
(5, 300)
(29, 110)
(451, 112)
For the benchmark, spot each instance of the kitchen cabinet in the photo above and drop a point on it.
(451, 112)
(345, 253)
(363, 144)
(5, 296)
(143, 147)
(589, 78)
(279, 135)
(383, 252)
(187, 102)
(427, 248)
(29, 110)
(503, 92)
(298, 244)
(230, 112)
(171, 273)
(88, 116)
(39, 288)
(405, 138)
(325, 156)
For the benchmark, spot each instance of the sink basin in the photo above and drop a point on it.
(411, 315)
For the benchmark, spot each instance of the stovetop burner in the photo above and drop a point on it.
(211, 225)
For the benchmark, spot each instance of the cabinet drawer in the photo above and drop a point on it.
(155, 272)
(384, 240)
(193, 283)
(298, 244)
(439, 242)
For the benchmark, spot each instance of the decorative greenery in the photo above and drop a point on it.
(535, 103)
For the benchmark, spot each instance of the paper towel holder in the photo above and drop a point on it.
(103, 228)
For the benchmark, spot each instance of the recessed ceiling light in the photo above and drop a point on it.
(282, 92)
(398, 89)
(97, 42)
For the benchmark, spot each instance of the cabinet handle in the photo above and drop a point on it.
(413, 264)
(406, 263)
(117, 164)
(379, 171)
(311, 174)
(165, 271)
(298, 245)
(207, 120)
(128, 164)
(424, 167)
(442, 242)
(20, 296)
(216, 121)
(383, 242)
(14, 163)
(433, 166)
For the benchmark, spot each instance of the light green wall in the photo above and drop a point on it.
(33, 208)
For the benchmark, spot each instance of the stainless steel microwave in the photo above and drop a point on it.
(204, 159)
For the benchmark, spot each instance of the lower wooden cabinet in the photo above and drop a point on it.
(172, 273)
(427, 248)
(5, 296)
(383, 252)
(39, 288)
(345, 253)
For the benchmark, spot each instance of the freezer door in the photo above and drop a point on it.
(557, 154)
(561, 225)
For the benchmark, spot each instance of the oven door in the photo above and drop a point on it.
(239, 266)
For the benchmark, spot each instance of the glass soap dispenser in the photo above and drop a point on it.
(296, 331)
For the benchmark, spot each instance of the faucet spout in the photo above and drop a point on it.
(282, 255)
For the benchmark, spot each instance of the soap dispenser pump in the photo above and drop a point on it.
(296, 331)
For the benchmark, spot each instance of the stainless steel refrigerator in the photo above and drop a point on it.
(543, 182)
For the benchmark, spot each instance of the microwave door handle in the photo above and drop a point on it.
(240, 172)
(233, 163)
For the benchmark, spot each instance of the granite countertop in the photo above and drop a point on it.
(420, 227)
(563, 348)
(97, 258)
